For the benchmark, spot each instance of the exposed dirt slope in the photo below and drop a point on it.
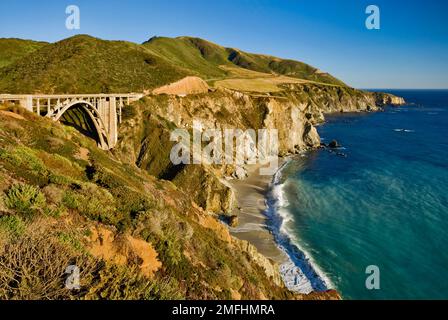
(183, 87)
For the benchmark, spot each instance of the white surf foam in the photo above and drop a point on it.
(300, 273)
(404, 130)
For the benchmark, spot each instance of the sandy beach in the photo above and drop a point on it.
(251, 196)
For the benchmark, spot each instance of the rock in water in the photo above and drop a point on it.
(233, 221)
(334, 144)
(310, 136)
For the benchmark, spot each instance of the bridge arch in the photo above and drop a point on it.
(93, 114)
(104, 110)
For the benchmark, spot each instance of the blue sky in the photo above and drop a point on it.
(409, 51)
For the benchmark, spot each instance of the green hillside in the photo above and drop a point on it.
(84, 64)
(207, 59)
(88, 65)
(12, 50)
(63, 201)
(201, 57)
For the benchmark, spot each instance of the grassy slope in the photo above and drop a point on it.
(12, 50)
(88, 65)
(202, 60)
(83, 64)
(55, 185)
(207, 59)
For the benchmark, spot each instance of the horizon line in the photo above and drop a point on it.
(386, 88)
(212, 41)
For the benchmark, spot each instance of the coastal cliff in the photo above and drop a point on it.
(294, 112)
(132, 235)
(138, 226)
(131, 214)
(145, 133)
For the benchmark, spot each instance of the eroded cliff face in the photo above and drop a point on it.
(388, 99)
(145, 140)
(294, 112)
(133, 236)
(145, 136)
(324, 99)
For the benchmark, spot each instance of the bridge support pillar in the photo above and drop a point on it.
(113, 122)
(27, 103)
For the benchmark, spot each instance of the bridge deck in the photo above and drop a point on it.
(69, 96)
(104, 109)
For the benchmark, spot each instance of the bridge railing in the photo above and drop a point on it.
(39, 103)
(105, 109)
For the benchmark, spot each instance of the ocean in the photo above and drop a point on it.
(382, 201)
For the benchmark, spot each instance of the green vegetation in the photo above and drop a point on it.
(12, 50)
(210, 60)
(13, 226)
(201, 57)
(63, 201)
(25, 199)
(52, 200)
(23, 156)
(71, 241)
(83, 64)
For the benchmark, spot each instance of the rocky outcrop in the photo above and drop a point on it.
(383, 99)
(233, 221)
(334, 144)
(311, 137)
(206, 188)
(226, 109)
(145, 136)
(294, 112)
(323, 99)
(271, 268)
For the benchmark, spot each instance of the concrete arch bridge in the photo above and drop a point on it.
(104, 110)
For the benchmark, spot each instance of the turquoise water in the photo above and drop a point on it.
(385, 204)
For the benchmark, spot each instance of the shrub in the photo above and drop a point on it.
(92, 201)
(40, 273)
(71, 241)
(104, 177)
(60, 180)
(60, 167)
(24, 156)
(131, 202)
(12, 225)
(70, 200)
(165, 289)
(53, 193)
(98, 204)
(170, 248)
(25, 199)
(54, 211)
